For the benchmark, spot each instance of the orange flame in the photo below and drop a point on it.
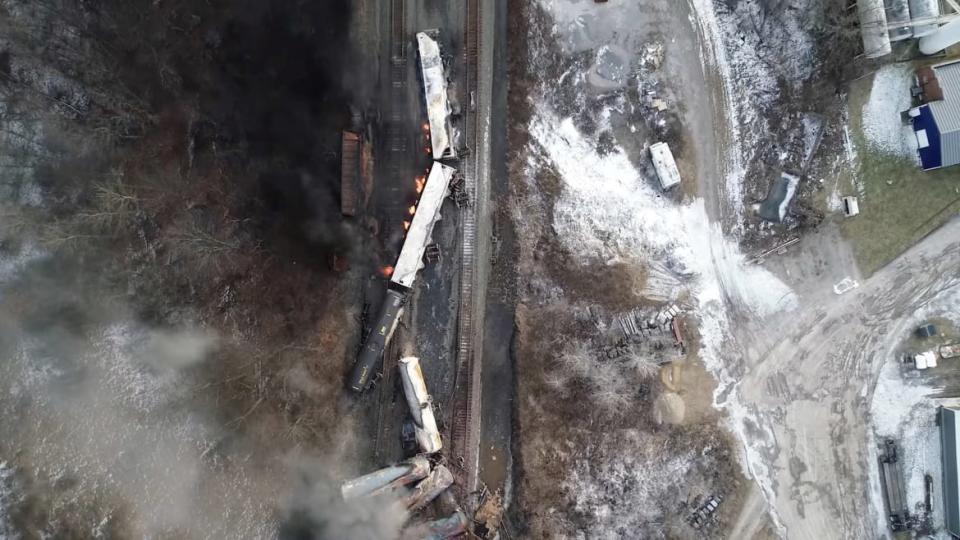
(412, 210)
(425, 126)
(419, 182)
(386, 271)
(406, 225)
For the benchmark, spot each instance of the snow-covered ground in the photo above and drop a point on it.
(608, 210)
(902, 408)
(882, 127)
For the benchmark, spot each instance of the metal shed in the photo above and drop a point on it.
(950, 478)
(937, 122)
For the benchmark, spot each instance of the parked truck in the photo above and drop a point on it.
(891, 477)
(950, 350)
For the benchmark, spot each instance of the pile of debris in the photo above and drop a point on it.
(413, 484)
(645, 323)
(654, 333)
(704, 514)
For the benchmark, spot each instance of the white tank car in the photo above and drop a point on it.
(421, 407)
(420, 232)
(435, 94)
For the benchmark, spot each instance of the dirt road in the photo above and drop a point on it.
(806, 384)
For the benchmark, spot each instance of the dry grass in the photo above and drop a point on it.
(587, 445)
(900, 204)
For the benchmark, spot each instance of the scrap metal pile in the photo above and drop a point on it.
(413, 484)
(409, 487)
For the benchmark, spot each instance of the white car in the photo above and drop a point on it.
(844, 285)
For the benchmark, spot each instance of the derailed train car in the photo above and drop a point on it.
(410, 261)
(421, 405)
(377, 339)
(435, 95)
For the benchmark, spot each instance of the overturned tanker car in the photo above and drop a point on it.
(439, 109)
(410, 261)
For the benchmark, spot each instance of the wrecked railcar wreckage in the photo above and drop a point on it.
(421, 406)
(418, 481)
(404, 273)
(435, 94)
(425, 213)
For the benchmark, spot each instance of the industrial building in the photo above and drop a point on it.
(951, 477)
(936, 123)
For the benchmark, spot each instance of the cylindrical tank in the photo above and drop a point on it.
(898, 19)
(372, 350)
(946, 36)
(924, 10)
(873, 28)
(384, 480)
(421, 407)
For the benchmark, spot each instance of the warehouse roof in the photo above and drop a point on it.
(946, 112)
(937, 122)
(951, 479)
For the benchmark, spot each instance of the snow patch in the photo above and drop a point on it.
(902, 408)
(890, 96)
(608, 210)
(618, 494)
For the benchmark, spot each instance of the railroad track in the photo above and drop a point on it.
(463, 440)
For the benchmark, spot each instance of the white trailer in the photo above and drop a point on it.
(419, 234)
(926, 359)
(435, 94)
(421, 406)
(851, 206)
(665, 165)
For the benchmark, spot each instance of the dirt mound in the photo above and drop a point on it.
(669, 408)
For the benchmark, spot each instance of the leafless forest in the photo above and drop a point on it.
(167, 175)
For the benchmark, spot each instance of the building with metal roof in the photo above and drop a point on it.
(951, 479)
(936, 123)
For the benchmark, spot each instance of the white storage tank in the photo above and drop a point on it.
(946, 36)
(898, 19)
(873, 28)
(924, 10)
